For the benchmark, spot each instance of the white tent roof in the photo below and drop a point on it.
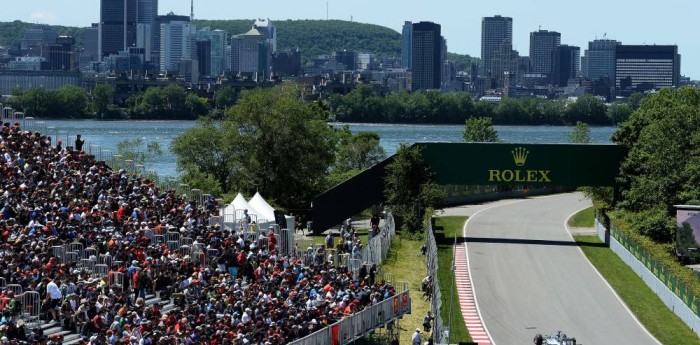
(265, 210)
(239, 203)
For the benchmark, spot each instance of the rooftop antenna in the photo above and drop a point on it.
(191, 10)
(605, 34)
(351, 18)
(326, 10)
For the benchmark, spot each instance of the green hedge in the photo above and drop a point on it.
(658, 258)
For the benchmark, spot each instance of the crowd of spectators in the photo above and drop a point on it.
(54, 194)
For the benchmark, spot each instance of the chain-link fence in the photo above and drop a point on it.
(431, 257)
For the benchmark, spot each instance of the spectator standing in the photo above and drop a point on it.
(79, 143)
(416, 339)
(54, 295)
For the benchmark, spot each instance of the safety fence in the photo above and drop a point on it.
(431, 259)
(29, 301)
(361, 323)
(670, 289)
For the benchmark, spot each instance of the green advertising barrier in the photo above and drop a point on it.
(542, 164)
(667, 278)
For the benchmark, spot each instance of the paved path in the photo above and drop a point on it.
(529, 277)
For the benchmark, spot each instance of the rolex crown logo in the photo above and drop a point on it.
(520, 156)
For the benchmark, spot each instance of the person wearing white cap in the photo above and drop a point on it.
(415, 339)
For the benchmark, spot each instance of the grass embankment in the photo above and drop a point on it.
(583, 219)
(406, 263)
(646, 306)
(446, 228)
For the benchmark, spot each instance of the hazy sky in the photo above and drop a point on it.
(628, 21)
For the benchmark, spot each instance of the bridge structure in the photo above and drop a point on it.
(492, 164)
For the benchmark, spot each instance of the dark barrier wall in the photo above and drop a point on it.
(350, 197)
(544, 165)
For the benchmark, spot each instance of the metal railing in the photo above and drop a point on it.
(361, 323)
(431, 259)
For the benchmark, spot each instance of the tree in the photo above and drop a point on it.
(73, 100)
(619, 112)
(662, 167)
(479, 129)
(225, 97)
(588, 109)
(101, 98)
(134, 150)
(580, 134)
(206, 153)
(284, 145)
(357, 151)
(271, 141)
(409, 188)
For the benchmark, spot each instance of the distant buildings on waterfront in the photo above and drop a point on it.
(134, 48)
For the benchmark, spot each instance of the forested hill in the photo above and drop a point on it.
(312, 37)
(317, 37)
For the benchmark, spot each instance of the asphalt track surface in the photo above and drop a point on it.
(530, 277)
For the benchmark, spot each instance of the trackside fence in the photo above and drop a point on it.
(673, 292)
(431, 259)
(359, 324)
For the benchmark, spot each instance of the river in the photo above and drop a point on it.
(104, 135)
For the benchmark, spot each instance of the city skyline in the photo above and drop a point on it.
(625, 21)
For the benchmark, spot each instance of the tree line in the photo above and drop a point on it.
(69, 101)
(363, 104)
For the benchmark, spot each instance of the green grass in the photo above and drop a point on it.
(406, 263)
(583, 219)
(446, 228)
(646, 306)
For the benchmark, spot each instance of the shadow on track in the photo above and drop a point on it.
(527, 241)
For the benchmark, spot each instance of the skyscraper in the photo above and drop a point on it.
(147, 11)
(566, 64)
(426, 56)
(177, 43)
(204, 56)
(505, 61)
(495, 32)
(599, 60)
(543, 43)
(117, 26)
(218, 40)
(406, 41)
(639, 68)
(250, 53)
(267, 29)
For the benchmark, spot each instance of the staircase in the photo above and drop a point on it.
(71, 338)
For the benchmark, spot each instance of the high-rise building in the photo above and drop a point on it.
(344, 60)
(406, 42)
(251, 53)
(144, 37)
(426, 56)
(267, 29)
(91, 51)
(640, 68)
(60, 55)
(218, 39)
(37, 36)
(505, 62)
(117, 26)
(204, 57)
(177, 42)
(543, 43)
(599, 60)
(566, 64)
(166, 19)
(495, 32)
(286, 63)
(147, 12)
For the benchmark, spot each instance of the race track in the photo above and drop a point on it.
(529, 277)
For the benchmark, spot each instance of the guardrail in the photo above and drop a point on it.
(359, 324)
(673, 292)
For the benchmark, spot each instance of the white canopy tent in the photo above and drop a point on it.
(265, 211)
(233, 212)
